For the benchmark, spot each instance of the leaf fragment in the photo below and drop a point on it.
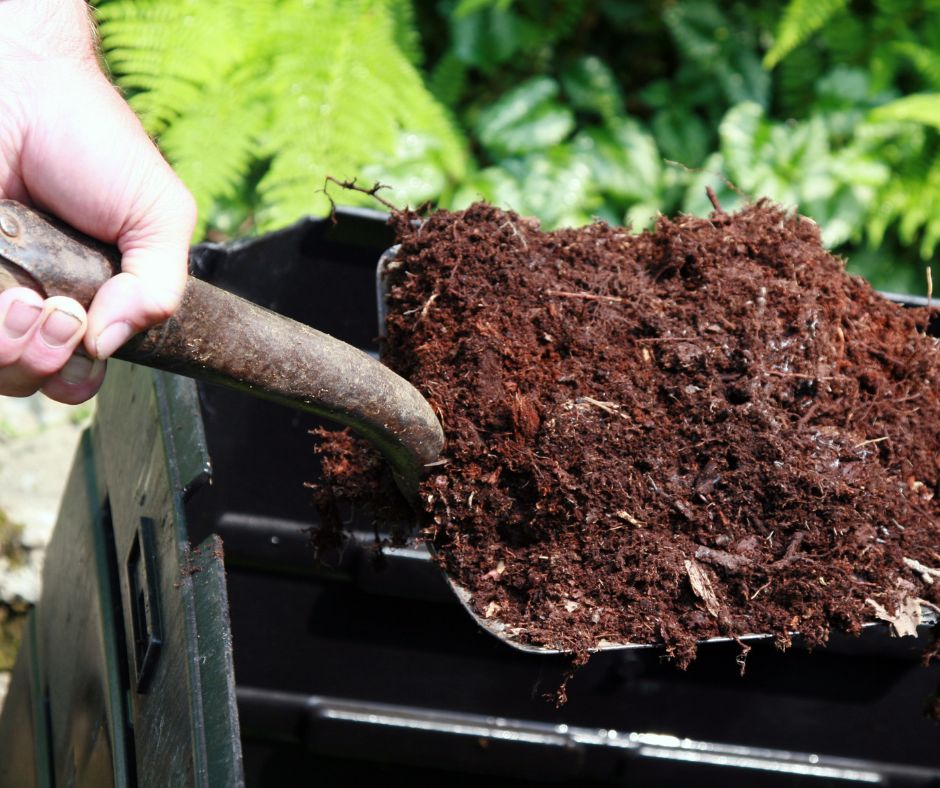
(702, 586)
(905, 620)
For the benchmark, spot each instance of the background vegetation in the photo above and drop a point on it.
(562, 109)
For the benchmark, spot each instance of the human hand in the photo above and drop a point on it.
(70, 146)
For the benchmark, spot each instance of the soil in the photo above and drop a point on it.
(709, 429)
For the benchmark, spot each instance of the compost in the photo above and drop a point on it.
(704, 430)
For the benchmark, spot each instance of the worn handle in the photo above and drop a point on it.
(218, 337)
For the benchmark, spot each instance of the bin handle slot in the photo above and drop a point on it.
(146, 618)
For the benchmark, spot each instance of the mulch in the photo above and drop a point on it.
(705, 430)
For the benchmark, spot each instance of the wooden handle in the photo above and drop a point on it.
(218, 337)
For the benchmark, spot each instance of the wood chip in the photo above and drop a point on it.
(623, 514)
(927, 574)
(730, 561)
(702, 586)
(905, 621)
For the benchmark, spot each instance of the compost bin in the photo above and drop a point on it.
(186, 635)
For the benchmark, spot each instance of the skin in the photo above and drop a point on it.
(71, 147)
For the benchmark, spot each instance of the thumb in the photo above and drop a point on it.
(153, 274)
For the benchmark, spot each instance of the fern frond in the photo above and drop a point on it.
(343, 109)
(306, 88)
(165, 53)
(692, 26)
(406, 29)
(910, 200)
(213, 144)
(918, 107)
(800, 20)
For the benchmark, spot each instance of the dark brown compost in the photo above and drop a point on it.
(705, 430)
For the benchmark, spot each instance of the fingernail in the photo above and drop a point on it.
(59, 328)
(112, 338)
(19, 319)
(79, 368)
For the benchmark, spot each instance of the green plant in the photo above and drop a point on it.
(896, 42)
(563, 109)
(255, 103)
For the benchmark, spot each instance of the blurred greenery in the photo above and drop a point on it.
(11, 546)
(567, 110)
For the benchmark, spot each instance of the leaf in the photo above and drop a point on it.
(415, 174)
(742, 132)
(623, 160)
(681, 136)
(493, 185)
(485, 38)
(843, 87)
(918, 107)
(556, 187)
(526, 118)
(800, 20)
(590, 85)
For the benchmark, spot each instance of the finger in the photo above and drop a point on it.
(154, 267)
(45, 348)
(77, 381)
(123, 192)
(20, 310)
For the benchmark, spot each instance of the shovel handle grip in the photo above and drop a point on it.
(220, 338)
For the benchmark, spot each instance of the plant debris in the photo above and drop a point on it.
(705, 430)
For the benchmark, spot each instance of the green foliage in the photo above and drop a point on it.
(263, 100)
(563, 109)
(800, 20)
(920, 107)
(801, 165)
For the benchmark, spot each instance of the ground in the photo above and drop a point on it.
(37, 440)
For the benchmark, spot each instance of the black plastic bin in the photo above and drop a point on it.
(240, 661)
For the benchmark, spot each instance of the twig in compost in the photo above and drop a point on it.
(623, 514)
(929, 287)
(586, 296)
(790, 554)
(515, 232)
(352, 186)
(719, 175)
(871, 440)
(754, 595)
(713, 199)
(608, 407)
(424, 309)
(798, 375)
(729, 561)
(927, 574)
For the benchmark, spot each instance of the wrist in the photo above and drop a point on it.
(33, 30)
